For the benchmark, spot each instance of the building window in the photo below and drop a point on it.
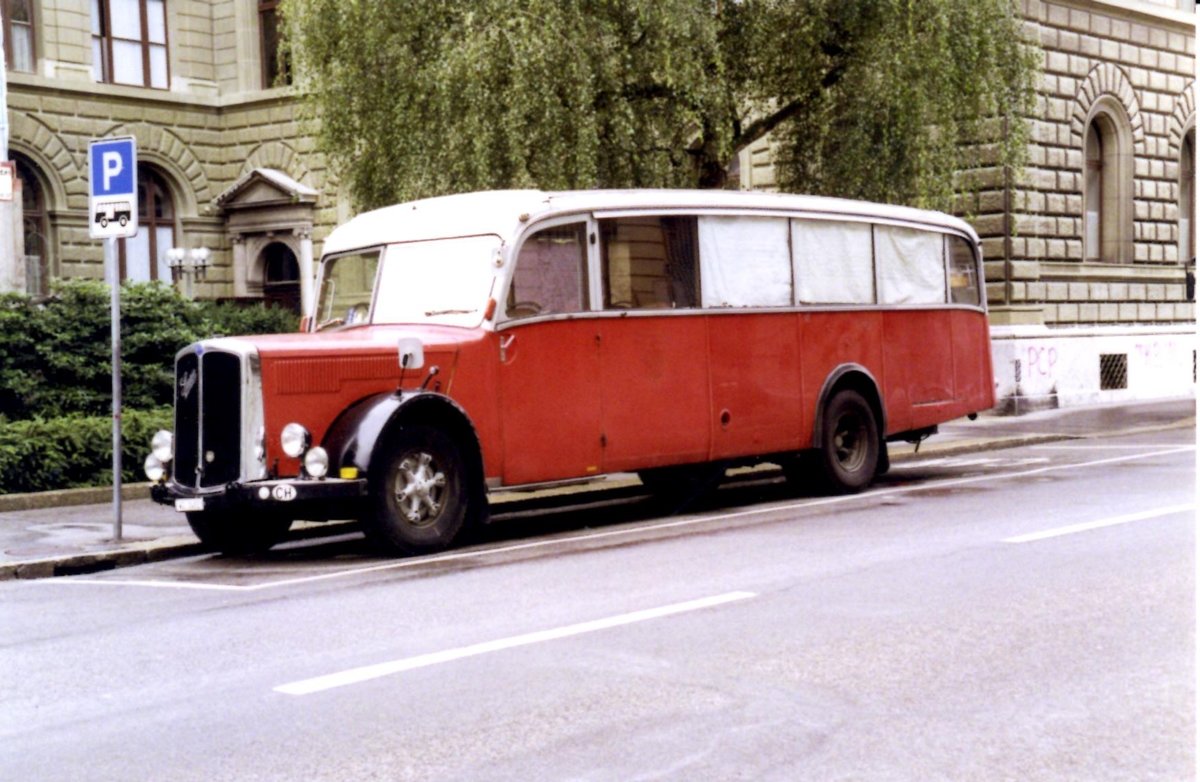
(18, 34)
(34, 227)
(275, 71)
(144, 257)
(1187, 197)
(1107, 190)
(129, 42)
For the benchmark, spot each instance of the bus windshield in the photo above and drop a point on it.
(445, 281)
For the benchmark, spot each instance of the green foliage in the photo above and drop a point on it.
(55, 355)
(56, 377)
(74, 450)
(878, 99)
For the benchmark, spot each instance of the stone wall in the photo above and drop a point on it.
(1140, 61)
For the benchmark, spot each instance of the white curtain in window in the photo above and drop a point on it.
(833, 262)
(912, 269)
(137, 257)
(164, 238)
(744, 262)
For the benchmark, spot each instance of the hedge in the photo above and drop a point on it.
(56, 377)
(74, 450)
(55, 354)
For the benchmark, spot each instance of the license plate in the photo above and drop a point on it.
(189, 504)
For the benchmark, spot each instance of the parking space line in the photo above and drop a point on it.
(622, 531)
(1109, 522)
(368, 672)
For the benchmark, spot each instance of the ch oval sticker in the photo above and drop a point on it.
(284, 492)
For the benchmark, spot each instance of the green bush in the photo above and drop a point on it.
(55, 355)
(56, 376)
(74, 450)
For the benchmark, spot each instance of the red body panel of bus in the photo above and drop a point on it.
(569, 398)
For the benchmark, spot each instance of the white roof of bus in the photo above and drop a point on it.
(500, 212)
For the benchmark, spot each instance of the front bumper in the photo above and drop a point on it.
(308, 499)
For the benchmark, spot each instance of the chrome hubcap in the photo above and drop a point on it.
(419, 489)
(849, 441)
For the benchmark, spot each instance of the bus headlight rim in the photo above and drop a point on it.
(295, 439)
(154, 468)
(316, 462)
(162, 446)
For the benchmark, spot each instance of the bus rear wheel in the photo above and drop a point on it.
(848, 455)
(422, 500)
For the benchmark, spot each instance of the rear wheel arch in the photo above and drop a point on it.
(853, 377)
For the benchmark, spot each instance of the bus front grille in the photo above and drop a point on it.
(208, 418)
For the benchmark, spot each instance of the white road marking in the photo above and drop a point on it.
(368, 672)
(468, 554)
(1089, 445)
(1109, 522)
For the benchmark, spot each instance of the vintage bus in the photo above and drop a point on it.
(523, 338)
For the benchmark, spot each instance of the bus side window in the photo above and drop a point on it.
(964, 282)
(649, 262)
(834, 262)
(745, 262)
(912, 266)
(551, 273)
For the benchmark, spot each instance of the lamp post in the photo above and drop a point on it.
(188, 264)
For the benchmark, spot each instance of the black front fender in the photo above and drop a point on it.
(353, 439)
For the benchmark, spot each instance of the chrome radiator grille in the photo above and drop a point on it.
(208, 417)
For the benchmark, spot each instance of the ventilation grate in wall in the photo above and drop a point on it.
(1114, 371)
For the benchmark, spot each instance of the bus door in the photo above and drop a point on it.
(654, 356)
(549, 352)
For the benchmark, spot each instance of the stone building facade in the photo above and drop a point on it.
(224, 163)
(1090, 250)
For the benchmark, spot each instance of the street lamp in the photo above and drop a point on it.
(188, 264)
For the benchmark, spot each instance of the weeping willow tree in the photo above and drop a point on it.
(876, 99)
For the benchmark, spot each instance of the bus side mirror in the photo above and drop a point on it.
(412, 353)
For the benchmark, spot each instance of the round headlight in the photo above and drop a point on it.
(154, 468)
(295, 440)
(162, 445)
(316, 462)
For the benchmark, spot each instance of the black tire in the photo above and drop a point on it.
(678, 488)
(848, 455)
(422, 496)
(238, 534)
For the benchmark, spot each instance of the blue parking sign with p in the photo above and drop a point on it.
(112, 187)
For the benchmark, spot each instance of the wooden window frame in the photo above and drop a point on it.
(105, 35)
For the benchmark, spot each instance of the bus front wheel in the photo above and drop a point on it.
(421, 497)
(848, 455)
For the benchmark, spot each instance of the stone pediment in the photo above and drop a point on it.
(264, 187)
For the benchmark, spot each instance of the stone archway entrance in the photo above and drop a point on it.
(269, 217)
(281, 276)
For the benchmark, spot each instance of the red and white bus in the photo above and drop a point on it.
(521, 338)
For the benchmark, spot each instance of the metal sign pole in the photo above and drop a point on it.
(111, 260)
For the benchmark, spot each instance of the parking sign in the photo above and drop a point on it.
(112, 188)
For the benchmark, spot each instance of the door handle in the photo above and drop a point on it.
(506, 342)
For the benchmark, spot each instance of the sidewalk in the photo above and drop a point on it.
(71, 532)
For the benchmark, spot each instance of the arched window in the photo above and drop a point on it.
(1187, 197)
(1108, 188)
(281, 275)
(35, 227)
(144, 257)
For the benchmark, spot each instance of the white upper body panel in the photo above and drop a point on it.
(504, 212)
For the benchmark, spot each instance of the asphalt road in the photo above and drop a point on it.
(1026, 614)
